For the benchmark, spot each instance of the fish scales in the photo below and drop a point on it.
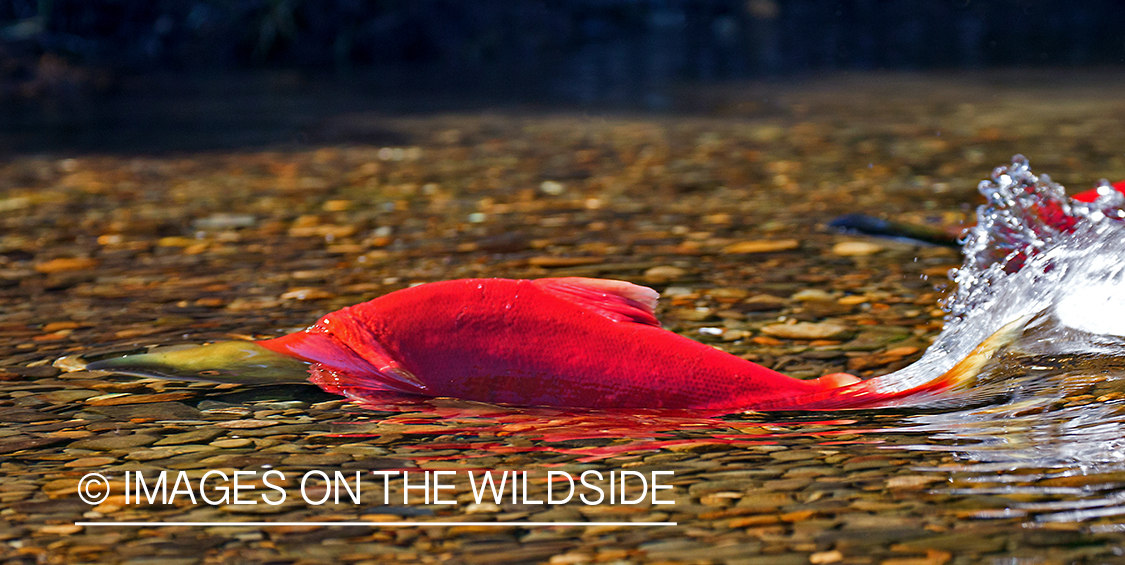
(518, 342)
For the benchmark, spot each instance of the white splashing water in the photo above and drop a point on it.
(1035, 253)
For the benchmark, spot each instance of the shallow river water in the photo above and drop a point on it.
(723, 209)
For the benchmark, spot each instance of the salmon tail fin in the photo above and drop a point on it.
(964, 374)
(237, 362)
(890, 390)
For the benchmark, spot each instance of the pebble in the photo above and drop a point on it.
(552, 188)
(961, 542)
(691, 314)
(66, 264)
(315, 460)
(784, 485)
(690, 550)
(68, 396)
(663, 273)
(20, 443)
(111, 442)
(794, 455)
(764, 303)
(853, 300)
(571, 559)
(826, 557)
(223, 221)
(872, 338)
(808, 330)
(551, 261)
(306, 294)
(812, 295)
(60, 529)
(773, 559)
(764, 501)
(902, 351)
(762, 246)
(119, 399)
(166, 452)
(728, 295)
(675, 291)
(158, 410)
(39, 371)
(912, 481)
(70, 363)
(232, 443)
(194, 436)
(942, 271)
(856, 248)
(90, 462)
(248, 424)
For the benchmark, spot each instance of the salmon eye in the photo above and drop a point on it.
(210, 373)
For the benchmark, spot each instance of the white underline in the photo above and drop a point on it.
(377, 524)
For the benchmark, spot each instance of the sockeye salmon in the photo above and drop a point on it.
(567, 342)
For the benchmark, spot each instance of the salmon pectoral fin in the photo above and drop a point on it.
(342, 346)
(356, 386)
(619, 301)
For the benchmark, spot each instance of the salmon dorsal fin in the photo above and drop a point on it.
(619, 301)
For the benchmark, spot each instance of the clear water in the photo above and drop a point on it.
(1039, 441)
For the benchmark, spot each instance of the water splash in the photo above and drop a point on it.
(1056, 435)
(1029, 217)
(1038, 254)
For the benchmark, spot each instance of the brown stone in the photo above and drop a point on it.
(63, 264)
(761, 246)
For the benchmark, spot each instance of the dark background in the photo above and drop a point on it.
(62, 60)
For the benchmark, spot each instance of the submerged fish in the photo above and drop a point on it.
(591, 343)
(949, 236)
(572, 342)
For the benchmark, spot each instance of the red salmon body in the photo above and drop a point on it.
(1092, 194)
(556, 342)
